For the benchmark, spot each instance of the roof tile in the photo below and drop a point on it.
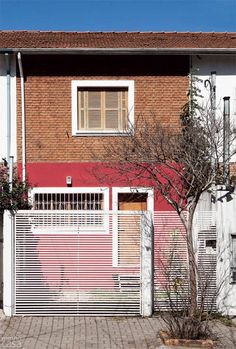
(60, 39)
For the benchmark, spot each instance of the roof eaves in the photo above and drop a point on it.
(134, 51)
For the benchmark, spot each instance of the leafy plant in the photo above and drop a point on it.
(13, 196)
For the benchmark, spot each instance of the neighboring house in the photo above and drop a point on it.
(64, 97)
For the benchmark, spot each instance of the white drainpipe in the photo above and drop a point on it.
(22, 116)
(7, 57)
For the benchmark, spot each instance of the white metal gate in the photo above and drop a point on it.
(77, 263)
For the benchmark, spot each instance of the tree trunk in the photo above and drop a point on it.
(188, 223)
(192, 264)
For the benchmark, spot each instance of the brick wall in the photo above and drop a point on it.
(161, 84)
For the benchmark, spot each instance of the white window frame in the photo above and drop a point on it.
(83, 229)
(75, 84)
(150, 207)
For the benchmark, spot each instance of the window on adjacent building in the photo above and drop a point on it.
(210, 246)
(233, 260)
(100, 107)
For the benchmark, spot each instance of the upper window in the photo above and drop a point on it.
(102, 107)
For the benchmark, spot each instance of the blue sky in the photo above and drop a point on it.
(118, 15)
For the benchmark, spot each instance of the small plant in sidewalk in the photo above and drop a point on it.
(13, 196)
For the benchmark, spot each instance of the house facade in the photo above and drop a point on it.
(65, 98)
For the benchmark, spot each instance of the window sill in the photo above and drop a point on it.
(69, 230)
(101, 134)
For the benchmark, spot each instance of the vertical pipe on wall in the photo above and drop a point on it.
(8, 71)
(213, 122)
(22, 116)
(226, 139)
(11, 164)
(213, 93)
(211, 84)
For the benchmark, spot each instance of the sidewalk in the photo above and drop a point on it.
(89, 333)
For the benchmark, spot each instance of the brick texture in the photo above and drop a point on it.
(161, 83)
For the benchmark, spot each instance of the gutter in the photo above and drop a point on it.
(121, 51)
(22, 116)
(8, 71)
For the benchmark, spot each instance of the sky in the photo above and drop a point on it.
(118, 15)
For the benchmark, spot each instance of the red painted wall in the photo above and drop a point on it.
(85, 175)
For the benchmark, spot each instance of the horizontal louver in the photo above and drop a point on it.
(71, 273)
(170, 261)
(207, 259)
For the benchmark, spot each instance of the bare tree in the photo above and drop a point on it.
(173, 296)
(180, 163)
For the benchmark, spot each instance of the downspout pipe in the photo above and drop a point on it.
(22, 85)
(8, 73)
(226, 139)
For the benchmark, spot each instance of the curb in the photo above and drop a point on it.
(190, 343)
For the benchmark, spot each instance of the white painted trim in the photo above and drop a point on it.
(100, 83)
(55, 190)
(150, 208)
(80, 230)
(146, 265)
(8, 264)
(118, 190)
(72, 230)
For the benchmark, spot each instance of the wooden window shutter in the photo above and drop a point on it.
(94, 110)
(112, 109)
(102, 110)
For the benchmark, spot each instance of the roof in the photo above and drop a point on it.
(116, 40)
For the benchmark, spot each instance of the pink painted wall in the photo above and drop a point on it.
(88, 258)
(84, 262)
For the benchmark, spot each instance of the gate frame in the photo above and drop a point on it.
(8, 263)
(146, 263)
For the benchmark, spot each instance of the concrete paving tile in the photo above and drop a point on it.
(67, 338)
(91, 333)
(55, 339)
(29, 343)
(35, 326)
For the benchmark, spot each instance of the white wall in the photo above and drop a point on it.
(221, 214)
(226, 226)
(3, 107)
(225, 68)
